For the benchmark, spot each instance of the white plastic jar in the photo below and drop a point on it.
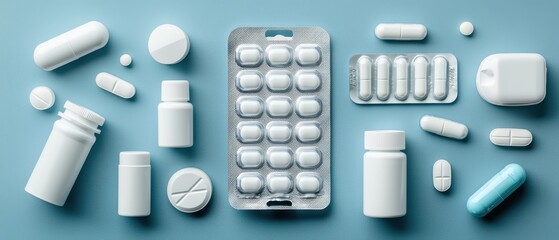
(64, 154)
(384, 174)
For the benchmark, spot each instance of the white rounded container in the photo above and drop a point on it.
(175, 115)
(384, 174)
(134, 184)
(65, 152)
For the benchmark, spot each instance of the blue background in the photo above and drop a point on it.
(91, 210)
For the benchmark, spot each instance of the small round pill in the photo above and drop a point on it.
(125, 60)
(466, 28)
(189, 190)
(42, 98)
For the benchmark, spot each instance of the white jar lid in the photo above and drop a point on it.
(136, 158)
(385, 140)
(175, 91)
(84, 113)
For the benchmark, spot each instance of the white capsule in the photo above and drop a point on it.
(511, 137)
(420, 78)
(401, 78)
(440, 78)
(398, 31)
(364, 74)
(115, 85)
(42, 98)
(443, 127)
(442, 175)
(71, 45)
(383, 78)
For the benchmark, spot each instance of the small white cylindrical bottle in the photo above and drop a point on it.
(134, 184)
(65, 152)
(384, 174)
(175, 115)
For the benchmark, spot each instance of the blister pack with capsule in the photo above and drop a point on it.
(415, 78)
(279, 118)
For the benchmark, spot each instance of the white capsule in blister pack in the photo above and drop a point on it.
(279, 118)
(415, 78)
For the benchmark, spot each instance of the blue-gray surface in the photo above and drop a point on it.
(91, 210)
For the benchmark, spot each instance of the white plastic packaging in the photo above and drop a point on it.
(175, 115)
(134, 184)
(384, 174)
(413, 78)
(65, 152)
(279, 118)
(71, 45)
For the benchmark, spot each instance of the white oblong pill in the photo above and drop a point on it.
(250, 183)
(308, 54)
(249, 81)
(279, 106)
(168, 44)
(279, 183)
(250, 157)
(71, 45)
(442, 175)
(42, 98)
(420, 78)
(278, 80)
(308, 132)
(278, 132)
(249, 106)
(383, 78)
(308, 157)
(401, 78)
(115, 85)
(308, 183)
(511, 137)
(466, 28)
(399, 31)
(440, 78)
(364, 74)
(308, 106)
(307, 81)
(278, 55)
(443, 127)
(250, 132)
(125, 60)
(189, 190)
(279, 157)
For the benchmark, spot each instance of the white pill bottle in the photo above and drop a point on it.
(175, 115)
(134, 184)
(384, 174)
(64, 154)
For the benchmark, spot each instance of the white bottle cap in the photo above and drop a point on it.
(175, 91)
(135, 158)
(84, 113)
(385, 140)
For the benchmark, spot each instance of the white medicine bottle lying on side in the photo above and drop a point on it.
(384, 174)
(64, 154)
(175, 115)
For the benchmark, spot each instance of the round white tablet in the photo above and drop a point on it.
(168, 44)
(42, 98)
(189, 190)
(466, 28)
(125, 60)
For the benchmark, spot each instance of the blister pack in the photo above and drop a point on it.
(279, 118)
(414, 78)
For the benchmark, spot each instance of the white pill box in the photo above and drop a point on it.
(279, 118)
(414, 78)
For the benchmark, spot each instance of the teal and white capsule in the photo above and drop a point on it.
(496, 190)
